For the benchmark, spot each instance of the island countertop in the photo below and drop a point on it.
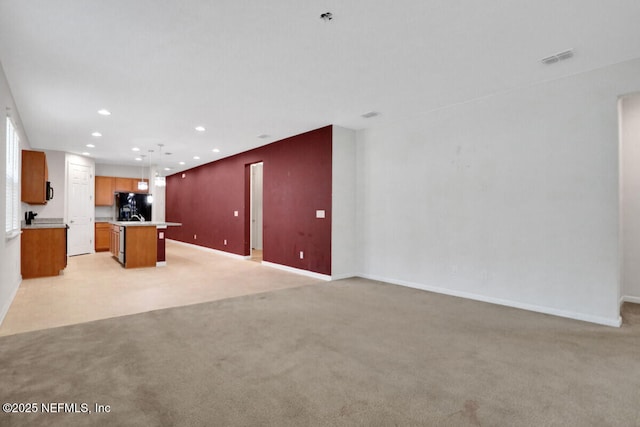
(158, 224)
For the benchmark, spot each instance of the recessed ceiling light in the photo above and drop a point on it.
(167, 169)
(181, 163)
(138, 159)
(196, 158)
(96, 134)
(200, 128)
(263, 136)
(91, 146)
(216, 150)
(135, 149)
(370, 114)
(85, 154)
(104, 112)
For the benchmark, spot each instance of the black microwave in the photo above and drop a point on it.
(49, 194)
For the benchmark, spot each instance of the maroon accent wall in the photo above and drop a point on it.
(296, 183)
(162, 234)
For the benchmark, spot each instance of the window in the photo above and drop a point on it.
(13, 181)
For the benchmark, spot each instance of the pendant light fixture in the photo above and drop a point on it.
(142, 184)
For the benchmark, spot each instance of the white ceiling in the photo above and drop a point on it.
(246, 68)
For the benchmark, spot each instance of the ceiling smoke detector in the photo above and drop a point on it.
(370, 114)
(327, 16)
(561, 56)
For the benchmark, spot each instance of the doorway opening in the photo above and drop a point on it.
(629, 208)
(255, 209)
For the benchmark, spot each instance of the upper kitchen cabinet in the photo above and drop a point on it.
(124, 185)
(129, 185)
(105, 187)
(35, 177)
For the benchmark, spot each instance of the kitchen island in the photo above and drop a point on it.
(139, 244)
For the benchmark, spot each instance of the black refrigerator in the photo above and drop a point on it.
(133, 206)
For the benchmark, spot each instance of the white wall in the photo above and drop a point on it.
(630, 196)
(511, 199)
(343, 223)
(9, 249)
(122, 171)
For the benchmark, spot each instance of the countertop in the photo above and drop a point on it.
(37, 226)
(43, 223)
(146, 223)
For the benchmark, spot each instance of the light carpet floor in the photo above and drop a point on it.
(350, 352)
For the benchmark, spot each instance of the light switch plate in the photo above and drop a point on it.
(235, 213)
(320, 213)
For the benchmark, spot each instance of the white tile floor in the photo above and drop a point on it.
(96, 287)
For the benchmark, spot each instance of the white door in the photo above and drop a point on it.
(256, 206)
(80, 210)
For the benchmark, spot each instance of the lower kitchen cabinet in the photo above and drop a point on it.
(43, 252)
(103, 231)
(114, 240)
(141, 246)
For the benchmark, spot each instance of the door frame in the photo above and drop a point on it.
(248, 181)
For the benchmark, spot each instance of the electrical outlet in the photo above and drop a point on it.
(195, 237)
(301, 255)
(235, 213)
(225, 242)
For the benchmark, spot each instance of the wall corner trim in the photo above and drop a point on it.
(607, 321)
(628, 298)
(297, 271)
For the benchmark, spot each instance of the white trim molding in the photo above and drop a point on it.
(204, 248)
(297, 271)
(634, 300)
(499, 301)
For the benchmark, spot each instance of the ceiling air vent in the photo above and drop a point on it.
(561, 56)
(370, 114)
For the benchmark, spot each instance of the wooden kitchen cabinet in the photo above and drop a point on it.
(125, 185)
(103, 236)
(35, 175)
(141, 246)
(114, 242)
(105, 187)
(129, 185)
(43, 252)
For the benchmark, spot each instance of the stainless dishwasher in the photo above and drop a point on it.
(122, 240)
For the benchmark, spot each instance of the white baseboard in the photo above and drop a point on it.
(7, 304)
(248, 257)
(634, 300)
(343, 276)
(615, 322)
(161, 263)
(204, 248)
(297, 271)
